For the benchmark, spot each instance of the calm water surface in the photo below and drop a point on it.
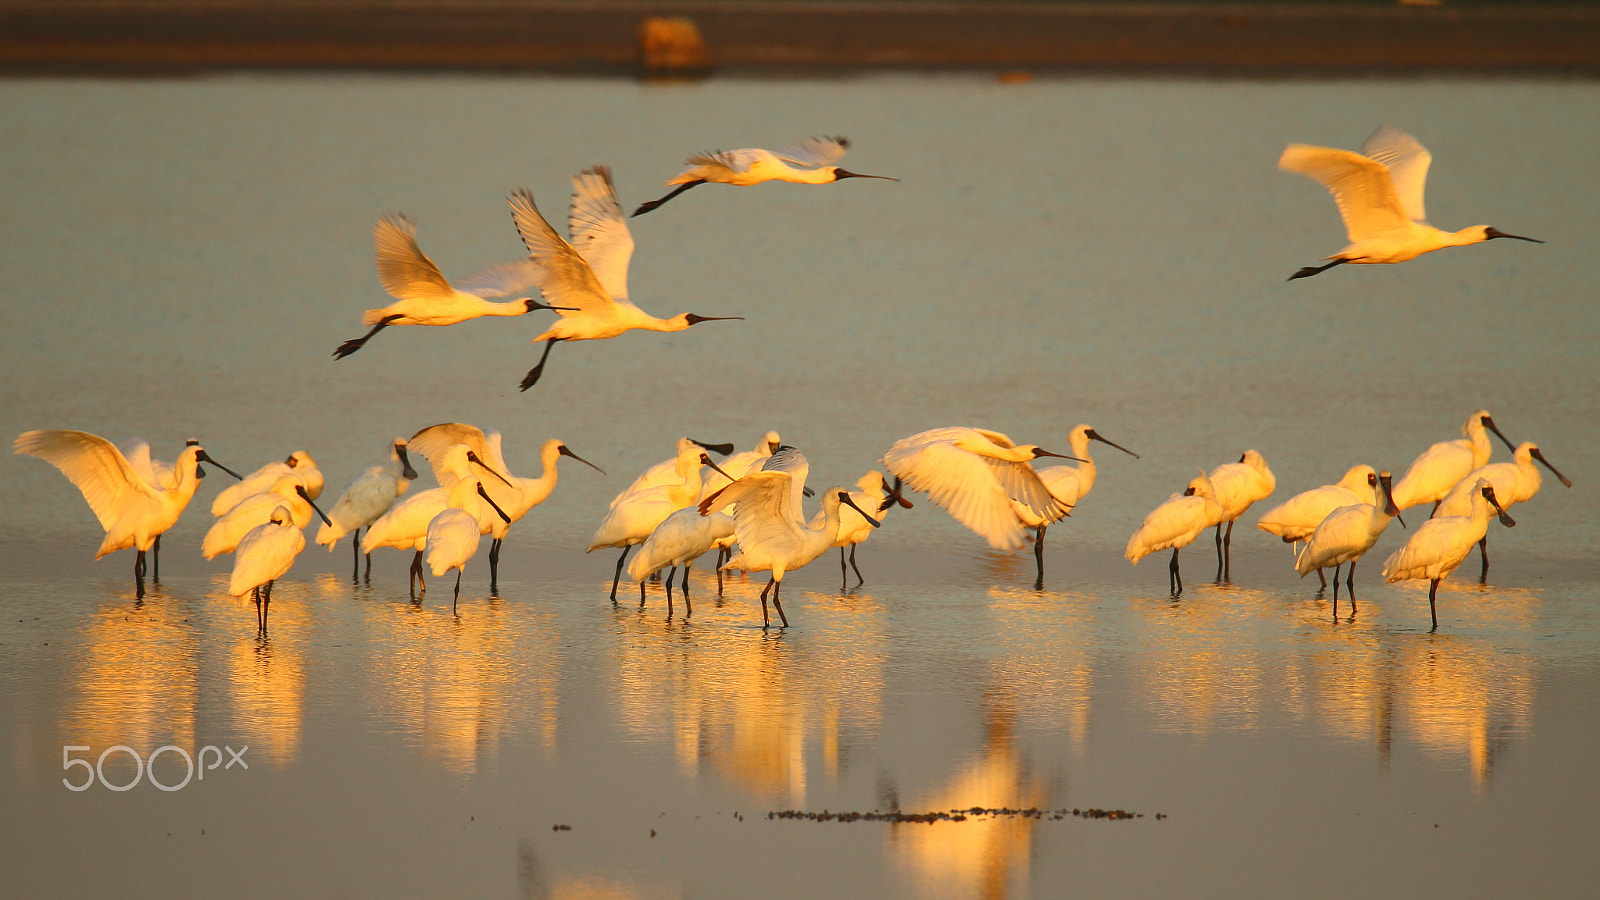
(182, 257)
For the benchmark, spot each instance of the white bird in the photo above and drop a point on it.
(161, 475)
(1236, 486)
(1068, 484)
(1442, 466)
(225, 534)
(453, 535)
(265, 554)
(979, 477)
(1379, 193)
(405, 526)
(1441, 544)
(1175, 523)
(666, 471)
(1345, 535)
(425, 296)
(515, 494)
(872, 493)
(632, 517)
(770, 530)
(809, 162)
(1295, 519)
(1513, 482)
(586, 281)
(368, 496)
(132, 511)
(680, 539)
(745, 461)
(299, 464)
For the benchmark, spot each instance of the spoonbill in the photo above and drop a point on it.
(1295, 519)
(406, 525)
(298, 464)
(809, 162)
(1442, 543)
(1442, 466)
(161, 475)
(368, 496)
(739, 464)
(978, 476)
(132, 511)
(873, 492)
(453, 535)
(226, 533)
(666, 471)
(771, 534)
(680, 539)
(265, 554)
(633, 516)
(1513, 482)
(1346, 535)
(516, 495)
(425, 297)
(1068, 484)
(1236, 486)
(1176, 523)
(589, 290)
(1379, 194)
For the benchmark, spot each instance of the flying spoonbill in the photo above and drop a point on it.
(132, 511)
(874, 493)
(1295, 519)
(1236, 486)
(516, 495)
(1068, 484)
(1379, 194)
(368, 496)
(453, 534)
(589, 289)
(634, 515)
(1442, 466)
(809, 162)
(1176, 523)
(298, 464)
(1513, 482)
(425, 297)
(265, 554)
(1441, 544)
(406, 525)
(977, 475)
(1346, 535)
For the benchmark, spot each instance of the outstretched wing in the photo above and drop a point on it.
(599, 230)
(93, 464)
(763, 515)
(563, 275)
(433, 441)
(406, 272)
(814, 152)
(1362, 187)
(974, 489)
(1408, 163)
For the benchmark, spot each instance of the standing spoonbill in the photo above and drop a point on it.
(1379, 194)
(666, 471)
(874, 493)
(368, 496)
(1068, 484)
(516, 495)
(1295, 519)
(633, 516)
(589, 289)
(132, 511)
(161, 475)
(225, 534)
(1346, 535)
(978, 475)
(1513, 482)
(265, 554)
(299, 464)
(1442, 466)
(425, 297)
(453, 535)
(1236, 486)
(406, 525)
(771, 534)
(809, 162)
(1442, 544)
(1175, 523)
(745, 461)
(680, 539)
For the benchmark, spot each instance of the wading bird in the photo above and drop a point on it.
(1236, 486)
(1345, 536)
(406, 525)
(225, 534)
(1068, 484)
(1379, 194)
(1442, 466)
(587, 287)
(809, 162)
(666, 471)
(1175, 524)
(132, 511)
(1295, 519)
(634, 515)
(979, 477)
(1441, 544)
(298, 464)
(1513, 482)
(453, 535)
(265, 554)
(680, 539)
(161, 475)
(368, 496)
(425, 297)
(872, 493)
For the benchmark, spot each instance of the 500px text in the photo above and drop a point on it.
(195, 767)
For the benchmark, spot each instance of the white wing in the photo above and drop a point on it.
(517, 278)
(93, 464)
(1408, 163)
(599, 230)
(815, 152)
(1361, 187)
(765, 517)
(433, 441)
(406, 272)
(137, 453)
(564, 276)
(974, 489)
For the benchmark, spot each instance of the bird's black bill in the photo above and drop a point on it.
(1540, 457)
(473, 457)
(705, 460)
(696, 320)
(405, 464)
(719, 449)
(490, 500)
(1507, 521)
(565, 452)
(1038, 452)
(845, 499)
(202, 456)
(301, 490)
(1095, 436)
(1488, 422)
(1490, 234)
(841, 174)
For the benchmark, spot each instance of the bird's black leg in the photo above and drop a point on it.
(1038, 556)
(642, 583)
(859, 579)
(266, 606)
(155, 561)
(764, 620)
(668, 580)
(1336, 591)
(355, 545)
(1174, 580)
(532, 378)
(1227, 554)
(1483, 552)
(1433, 609)
(1308, 271)
(688, 608)
(1219, 551)
(777, 588)
(494, 566)
(1322, 578)
(1350, 587)
(618, 577)
(457, 595)
(652, 204)
(844, 577)
(416, 572)
(354, 344)
(138, 576)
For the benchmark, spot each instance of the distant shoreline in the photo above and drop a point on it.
(168, 37)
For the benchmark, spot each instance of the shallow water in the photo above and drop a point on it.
(183, 256)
